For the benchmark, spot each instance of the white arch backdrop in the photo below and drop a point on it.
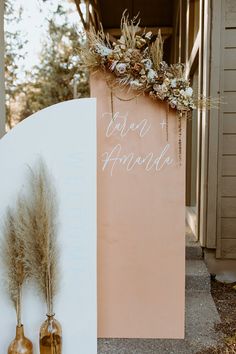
(64, 135)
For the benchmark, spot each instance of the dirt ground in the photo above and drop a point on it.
(225, 299)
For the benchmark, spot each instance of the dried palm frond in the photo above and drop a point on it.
(129, 30)
(202, 102)
(178, 70)
(156, 51)
(96, 46)
(13, 259)
(41, 247)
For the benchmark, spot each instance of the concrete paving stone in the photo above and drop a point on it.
(197, 276)
(193, 248)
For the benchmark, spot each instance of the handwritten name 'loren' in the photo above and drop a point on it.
(119, 124)
(149, 162)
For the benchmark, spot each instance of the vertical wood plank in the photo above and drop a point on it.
(229, 123)
(200, 124)
(205, 125)
(230, 38)
(229, 187)
(230, 59)
(229, 249)
(230, 13)
(213, 121)
(220, 147)
(187, 32)
(213, 126)
(228, 228)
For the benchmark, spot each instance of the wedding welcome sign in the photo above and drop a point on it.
(64, 136)
(141, 228)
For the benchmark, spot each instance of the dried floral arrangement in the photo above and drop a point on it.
(136, 61)
(30, 250)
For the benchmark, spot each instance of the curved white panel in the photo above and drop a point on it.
(64, 135)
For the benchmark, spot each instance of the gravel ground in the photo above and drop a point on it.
(224, 296)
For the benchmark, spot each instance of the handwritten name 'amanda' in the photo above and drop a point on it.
(129, 161)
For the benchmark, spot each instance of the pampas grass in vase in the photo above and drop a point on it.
(41, 251)
(12, 252)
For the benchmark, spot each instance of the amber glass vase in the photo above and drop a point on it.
(21, 344)
(50, 338)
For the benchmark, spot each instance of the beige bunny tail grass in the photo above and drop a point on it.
(42, 249)
(12, 252)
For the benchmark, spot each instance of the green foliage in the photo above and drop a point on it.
(58, 76)
(14, 51)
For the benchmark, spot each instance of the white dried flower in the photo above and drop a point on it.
(173, 102)
(189, 91)
(151, 75)
(182, 92)
(148, 35)
(102, 50)
(121, 40)
(121, 68)
(164, 88)
(135, 84)
(147, 63)
(156, 87)
(167, 81)
(173, 83)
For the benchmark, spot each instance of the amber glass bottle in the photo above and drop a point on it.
(21, 344)
(50, 338)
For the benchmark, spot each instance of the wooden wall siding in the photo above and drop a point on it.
(229, 123)
(228, 187)
(228, 207)
(230, 13)
(228, 228)
(213, 124)
(229, 144)
(230, 76)
(229, 166)
(226, 245)
(228, 248)
(229, 102)
(230, 59)
(229, 38)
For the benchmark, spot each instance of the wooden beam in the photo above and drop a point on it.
(77, 3)
(174, 40)
(180, 29)
(187, 31)
(193, 56)
(87, 13)
(203, 197)
(91, 17)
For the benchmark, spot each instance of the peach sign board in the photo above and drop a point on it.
(141, 216)
(64, 135)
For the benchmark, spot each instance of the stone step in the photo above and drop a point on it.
(197, 276)
(200, 318)
(193, 248)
